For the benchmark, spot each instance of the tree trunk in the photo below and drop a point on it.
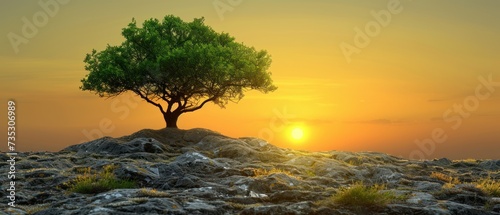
(171, 119)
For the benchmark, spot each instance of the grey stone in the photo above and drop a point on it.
(462, 209)
(427, 186)
(385, 175)
(469, 199)
(496, 208)
(492, 165)
(442, 162)
(269, 209)
(142, 174)
(112, 146)
(187, 181)
(198, 171)
(295, 196)
(197, 134)
(397, 209)
(419, 198)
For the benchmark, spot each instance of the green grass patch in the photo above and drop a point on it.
(93, 182)
(364, 196)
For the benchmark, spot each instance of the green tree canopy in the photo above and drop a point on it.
(178, 67)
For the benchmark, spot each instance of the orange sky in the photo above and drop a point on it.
(387, 91)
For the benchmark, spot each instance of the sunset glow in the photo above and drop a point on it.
(297, 133)
(408, 78)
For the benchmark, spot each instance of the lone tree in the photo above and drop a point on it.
(178, 67)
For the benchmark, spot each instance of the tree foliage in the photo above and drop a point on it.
(178, 67)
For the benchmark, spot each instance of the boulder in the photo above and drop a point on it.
(199, 171)
(112, 146)
(462, 209)
(269, 209)
(491, 165)
(397, 209)
(427, 186)
(419, 198)
(143, 174)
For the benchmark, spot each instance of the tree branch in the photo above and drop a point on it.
(199, 106)
(138, 92)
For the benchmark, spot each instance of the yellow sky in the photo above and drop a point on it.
(400, 75)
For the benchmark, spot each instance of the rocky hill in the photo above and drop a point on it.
(197, 171)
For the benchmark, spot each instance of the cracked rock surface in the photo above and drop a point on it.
(199, 171)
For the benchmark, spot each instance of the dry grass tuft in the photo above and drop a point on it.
(264, 172)
(444, 178)
(152, 193)
(33, 209)
(360, 195)
(489, 186)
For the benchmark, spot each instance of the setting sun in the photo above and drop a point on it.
(297, 133)
(340, 68)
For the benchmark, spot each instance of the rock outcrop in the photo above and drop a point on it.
(199, 171)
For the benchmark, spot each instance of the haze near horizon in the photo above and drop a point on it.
(416, 79)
